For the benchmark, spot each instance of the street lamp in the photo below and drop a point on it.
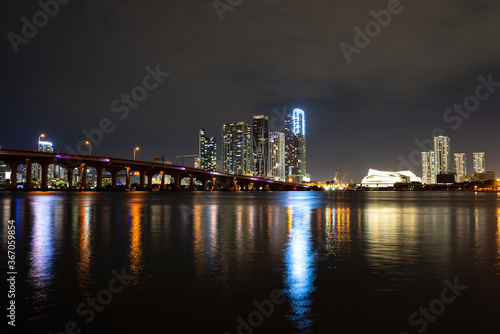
(41, 136)
(135, 149)
(90, 147)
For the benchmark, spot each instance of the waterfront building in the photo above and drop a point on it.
(236, 149)
(383, 179)
(442, 155)
(428, 167)
(207, 152)
(295, 146)
(461, 167)
(479, 162)
(260, 144)
(277, 156)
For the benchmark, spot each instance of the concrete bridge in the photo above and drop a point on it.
(220, 181)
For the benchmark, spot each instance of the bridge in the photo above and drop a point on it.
(220, 181)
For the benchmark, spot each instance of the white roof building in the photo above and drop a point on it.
(382, 179)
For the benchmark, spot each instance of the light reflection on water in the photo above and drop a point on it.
(299, 267)
(136, 263)
(85, 258)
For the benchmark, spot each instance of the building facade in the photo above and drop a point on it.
(207, 152)
(428, 168)
(236, 149)
(479, 162)
(295, 145)
(461, 167)
(260, 145)
(442, 155)
(277, 156)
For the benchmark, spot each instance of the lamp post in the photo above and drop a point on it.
(90, 147)
(41, 136)
(135, 149)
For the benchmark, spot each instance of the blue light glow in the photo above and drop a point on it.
(299, 121)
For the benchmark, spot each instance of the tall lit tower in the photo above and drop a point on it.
(460, 167)
(207, 152)
(428, 167)
(236, 149)
(295, 142)
(479, 162)
(442, 153)
(260, 140)
(277, 156)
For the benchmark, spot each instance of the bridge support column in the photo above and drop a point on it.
(70, 171)
(142, 179)
(191, 182)
(127, 178)
(162, 184)
(13, 174)
(84, 176)
(235, 185)
(114, 173)
(45, 171)
(29, 176)
(150, 181)
(99, 177)
(214, 186)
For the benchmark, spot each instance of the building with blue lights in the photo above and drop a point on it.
(260, 144)
(236, 149)
(295, 146)
(207, 152)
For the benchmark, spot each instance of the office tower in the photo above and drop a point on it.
(45, 146)
(207, 152)
(460, 167)
(277, 156)
(236, 149)
(442, 155)
(260, 144)
(428, 168)
(479, 162)
(295, 145)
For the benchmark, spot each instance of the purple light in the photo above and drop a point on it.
(72, 157)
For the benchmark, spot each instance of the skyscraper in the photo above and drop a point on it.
(479, 162)
(461, 167)
(442, 156)
(207, 152)
(236, 149)
(277, 156)
(428, 168)
(260, 141)
(295, 142)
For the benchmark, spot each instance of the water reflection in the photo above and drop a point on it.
(300, 267)
(135, 252)
(498, 241)
(84, 265)
(41, 256)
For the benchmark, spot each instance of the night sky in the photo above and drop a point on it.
(264, 57)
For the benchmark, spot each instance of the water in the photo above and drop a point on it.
(249, 262)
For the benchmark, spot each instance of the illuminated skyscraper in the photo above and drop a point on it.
(428, 168)
(277, 156)
(260, 141)
(461, 167)
(442, 153)
(236, 149)
(207, 152)
(479, 162)
(295, 145)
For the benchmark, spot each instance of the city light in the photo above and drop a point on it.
(135, 149)
(41, 136)
(90, 147)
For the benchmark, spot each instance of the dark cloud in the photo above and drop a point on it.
(265, 55)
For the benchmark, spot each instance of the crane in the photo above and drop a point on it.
(182, 156)
(343, 178)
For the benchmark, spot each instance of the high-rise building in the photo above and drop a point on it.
(428, 168)
(236, 149)
(277, 156)
(260, 144)
(45, 146)
(442, 152)
(460, 167)
(207, 152)
(479, 162)
(295, 145)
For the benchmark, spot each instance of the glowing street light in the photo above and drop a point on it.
(90, 147)
(41, 136)
(135, 149)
